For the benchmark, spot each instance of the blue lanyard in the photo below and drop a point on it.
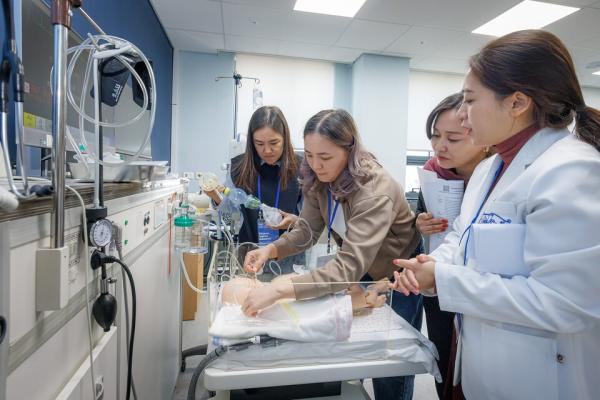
(276, 195)
(330, 217)
(468, 230)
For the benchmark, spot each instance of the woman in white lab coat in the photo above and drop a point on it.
(521, 266)
(456, 157)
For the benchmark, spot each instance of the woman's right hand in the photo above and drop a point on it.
(214, 194)
(255, 259)
(428, 225)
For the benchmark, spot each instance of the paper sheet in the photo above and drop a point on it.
(442, 199)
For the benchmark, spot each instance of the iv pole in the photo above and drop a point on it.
(237, 80)
(61, 19)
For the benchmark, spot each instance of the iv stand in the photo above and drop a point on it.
(237, 80)
(61, 20)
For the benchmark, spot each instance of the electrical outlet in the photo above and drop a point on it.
(188, 175)
(100, 387)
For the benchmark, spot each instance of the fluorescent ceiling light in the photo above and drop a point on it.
(525, 15)
(342, 8)
(596, 73)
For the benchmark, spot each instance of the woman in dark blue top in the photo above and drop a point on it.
(269, 170)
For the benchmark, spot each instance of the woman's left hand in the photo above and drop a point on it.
(287, 221)
(418, 274)
(262, 297)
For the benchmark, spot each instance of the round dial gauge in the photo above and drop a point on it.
(101, 233)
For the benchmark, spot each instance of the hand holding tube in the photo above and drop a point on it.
(215, 194)
(287, 221)
(255, 259)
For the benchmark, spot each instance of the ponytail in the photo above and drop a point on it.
(587, 126)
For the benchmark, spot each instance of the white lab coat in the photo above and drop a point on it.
(536, 336)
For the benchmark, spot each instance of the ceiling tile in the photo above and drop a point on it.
(244, 44)
(343, 54)
(463, 46)
(195, 41)
(304, 50)
(374, 36)
(579, 26)
(277, 4)
(197, 15)
(572, 3)
(253, 21)
(441, 64)
(423, 41)
(313, 28)
(463, 15)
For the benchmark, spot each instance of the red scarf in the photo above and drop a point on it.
(448, 174)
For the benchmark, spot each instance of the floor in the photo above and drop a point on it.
(192, 336)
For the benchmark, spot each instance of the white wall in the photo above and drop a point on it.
(425, 91)
(380, 105)
(301, 88)
(203, 112)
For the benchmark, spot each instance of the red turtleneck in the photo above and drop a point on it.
(508, 149)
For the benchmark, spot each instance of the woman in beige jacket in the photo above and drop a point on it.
(363, 210)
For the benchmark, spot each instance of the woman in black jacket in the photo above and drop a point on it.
(268, 169)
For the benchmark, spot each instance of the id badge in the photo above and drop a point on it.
(266, 235)
(324, 259)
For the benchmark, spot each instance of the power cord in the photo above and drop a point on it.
(87, 290)
(262, 340)
(118, 242)
(100, 260)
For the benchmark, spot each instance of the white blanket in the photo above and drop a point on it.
(326, 319)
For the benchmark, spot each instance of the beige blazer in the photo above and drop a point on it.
(379, 228)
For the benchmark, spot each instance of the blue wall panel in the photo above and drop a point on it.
(136, 21)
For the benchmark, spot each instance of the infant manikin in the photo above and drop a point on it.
(328, 318)
(236, 291)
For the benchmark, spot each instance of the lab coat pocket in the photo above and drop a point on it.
(498, 249)
(518, 365)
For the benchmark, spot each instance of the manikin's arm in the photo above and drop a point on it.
(236, 291)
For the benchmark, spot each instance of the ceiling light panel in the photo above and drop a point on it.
(525, 15)
(341, 8)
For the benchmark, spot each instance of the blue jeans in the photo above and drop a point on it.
(401, 387)
(411, 309)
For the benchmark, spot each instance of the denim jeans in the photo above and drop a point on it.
(411, 309)
(401, 387)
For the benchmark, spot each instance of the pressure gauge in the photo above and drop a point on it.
(101, 233)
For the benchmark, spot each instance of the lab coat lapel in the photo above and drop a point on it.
(534, 147)
(483, 187)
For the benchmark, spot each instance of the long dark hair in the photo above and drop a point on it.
(538, 64)
(245, 173)
(451, 102)
(339, 127)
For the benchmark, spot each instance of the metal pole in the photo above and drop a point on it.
(91, 21)
(4, 305)
(235, 108)
(59, 85)
(61, 19)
